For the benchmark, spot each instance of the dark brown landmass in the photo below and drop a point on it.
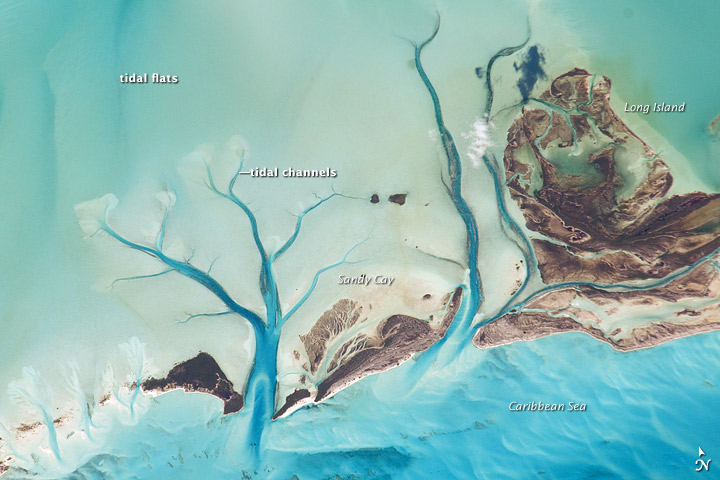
(398, 198)
(568, 163)
(395, 340)
(294, 398)
(342, 316)
(399, 337)
(574, 198)
(531, 326)
(28, 427)
(199, 374)
(701, 285)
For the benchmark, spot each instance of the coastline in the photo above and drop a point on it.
(529, 327)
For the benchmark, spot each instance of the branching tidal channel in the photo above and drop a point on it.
(262, 382)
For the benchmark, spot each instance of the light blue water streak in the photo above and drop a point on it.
(647, 412)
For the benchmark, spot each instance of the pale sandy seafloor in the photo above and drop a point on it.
(320, 85)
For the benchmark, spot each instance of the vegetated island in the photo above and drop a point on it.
(615, 250)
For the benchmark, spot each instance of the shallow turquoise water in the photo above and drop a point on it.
(647, 413)
(69, 132)
(656, 52)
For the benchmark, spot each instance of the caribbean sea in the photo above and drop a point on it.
(647, 413)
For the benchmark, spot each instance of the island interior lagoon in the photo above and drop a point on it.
(359, 239)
